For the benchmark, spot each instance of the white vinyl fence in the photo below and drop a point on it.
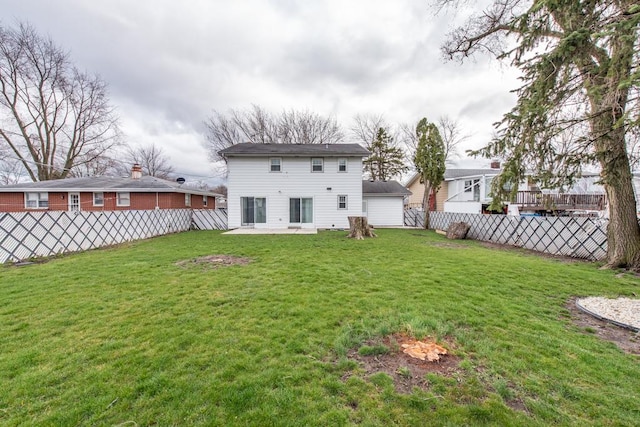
(27, 235)
(577, 237)
(208, 219)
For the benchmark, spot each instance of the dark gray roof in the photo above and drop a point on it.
(324, 150)
(146, 184)
(384, 188)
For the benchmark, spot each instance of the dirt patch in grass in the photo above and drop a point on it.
(214, 261)
(385, 355)
(627, 340)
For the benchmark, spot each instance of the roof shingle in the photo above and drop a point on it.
(321, 150)
(105, 183)
(386, 188)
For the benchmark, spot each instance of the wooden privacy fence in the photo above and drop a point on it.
(27, 235)
(579, 237)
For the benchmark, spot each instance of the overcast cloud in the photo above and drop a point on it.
(168, 64)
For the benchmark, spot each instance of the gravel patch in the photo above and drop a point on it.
(622, 311)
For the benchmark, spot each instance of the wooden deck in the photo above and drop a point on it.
(538, 201)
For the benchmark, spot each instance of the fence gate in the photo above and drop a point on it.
(414, 218)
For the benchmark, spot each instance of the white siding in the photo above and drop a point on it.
(385, 211)
(463, 207)
(250, 177)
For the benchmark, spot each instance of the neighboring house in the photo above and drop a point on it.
(383, 203)
(104, 194)
(463, 190)
(294, 185)
(468, 191)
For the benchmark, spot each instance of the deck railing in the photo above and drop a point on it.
(538, 200)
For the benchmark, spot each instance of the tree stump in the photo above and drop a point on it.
(359, 228)
(458, 230)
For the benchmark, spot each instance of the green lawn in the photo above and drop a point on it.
(124, 336)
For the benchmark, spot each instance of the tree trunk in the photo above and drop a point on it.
(609, 98)
(359, 228)
(623, 232)
(425, 203)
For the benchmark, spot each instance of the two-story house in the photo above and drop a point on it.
(294, 185)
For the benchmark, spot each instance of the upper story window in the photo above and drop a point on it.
(342, 165)
(123, 199)
(317, 164)
(36, 200)
(275, 164)
(98, 199)
(187, 199)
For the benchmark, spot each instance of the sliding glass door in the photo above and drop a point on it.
(254, 210)
(300, 210)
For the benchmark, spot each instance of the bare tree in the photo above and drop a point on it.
(220, 189)
(10, 168)
(54, 118)
(152, 159)
(305, 127)
(365, 128)
(452, 137)
(96, 165)
(450, 133)
(258, 126)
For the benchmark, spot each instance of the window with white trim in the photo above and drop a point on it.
(123, 199)
(317, 164)
(342, 165)
(468, 186)
(342, 201)
(98, 199)
(204, 201)
(275, 164)
(36, 200)
(187, 199)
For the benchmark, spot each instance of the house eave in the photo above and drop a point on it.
(106, 190)
(385, 194)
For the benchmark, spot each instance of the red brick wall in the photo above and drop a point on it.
(14, 202)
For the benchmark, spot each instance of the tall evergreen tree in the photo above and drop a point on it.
(386, 160)
(579, 101)
(429, 161)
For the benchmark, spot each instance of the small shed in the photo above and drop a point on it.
(383, 203)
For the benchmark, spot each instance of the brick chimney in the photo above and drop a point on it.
(495, 164)
(136, 171)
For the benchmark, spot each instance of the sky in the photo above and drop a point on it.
(169, 64)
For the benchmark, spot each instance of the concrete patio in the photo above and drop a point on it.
(272, 231)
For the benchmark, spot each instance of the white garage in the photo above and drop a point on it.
(383, 203)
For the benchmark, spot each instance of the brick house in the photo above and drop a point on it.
(104, 194)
